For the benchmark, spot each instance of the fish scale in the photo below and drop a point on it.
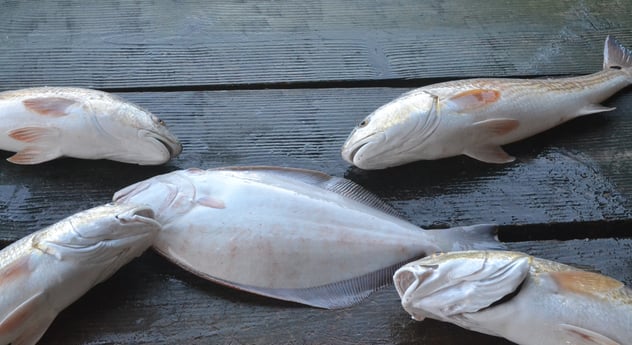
(44, 123)
(46, 271)
(475, 117)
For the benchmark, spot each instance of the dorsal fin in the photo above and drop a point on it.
(356, 192)
(338, 185)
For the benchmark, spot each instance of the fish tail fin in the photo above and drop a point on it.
(616, 56)
(473, 237)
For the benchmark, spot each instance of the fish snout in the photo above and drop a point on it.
(139, 215)
(363, 152)
(445, 286)
(160, 147)
(408, 282)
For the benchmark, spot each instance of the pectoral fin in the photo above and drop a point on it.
(49, 106)
(27, 323)
(489, 154)
(582, 336)
(210, 202)
(472, 99)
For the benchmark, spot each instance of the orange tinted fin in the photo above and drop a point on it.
(15, 270)
(581, 336)
(489, 154)
(34, 155)
(49, 106)
(211, 202)
(593, 108)
(472, 99)
(586, 283)
(35, 134)
(500, 126)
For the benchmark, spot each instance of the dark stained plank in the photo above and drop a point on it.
(572, 174)
(151, 301)
(123, 44)
(329, 63)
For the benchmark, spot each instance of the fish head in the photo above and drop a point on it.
(449, 286)
(169, 195)
(143, 139)
(104, 237)
(391, 134)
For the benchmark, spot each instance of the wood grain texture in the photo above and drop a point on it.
(123, 44)
(204, 66)
(151, 301)
(565, 175)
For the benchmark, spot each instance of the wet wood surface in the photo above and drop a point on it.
(283, 83)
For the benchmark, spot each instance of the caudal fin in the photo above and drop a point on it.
(616, 56)
(474, 237)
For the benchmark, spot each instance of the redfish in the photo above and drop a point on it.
(475, 117)
(46, 271)
(45, 123)
(291, 234)
(527, 300)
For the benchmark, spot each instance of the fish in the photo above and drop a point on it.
(527, 300)
(44, 272)
(291, 234)
(44, 123)
(475, 117)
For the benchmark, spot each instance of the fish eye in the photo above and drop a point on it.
(363, 123)
(157, 120)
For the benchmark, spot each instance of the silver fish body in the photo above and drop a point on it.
(527, 300)
(291, 234)
(45, 123)
(46, 271)
(475, 117)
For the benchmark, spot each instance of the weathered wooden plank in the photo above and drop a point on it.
(123, 44)
(151, 301)
(566, 175)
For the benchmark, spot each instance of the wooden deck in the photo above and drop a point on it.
(283, 83)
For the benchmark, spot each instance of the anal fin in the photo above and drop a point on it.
(594, 108)
(489, 154)
(582, 336)
(336, 295)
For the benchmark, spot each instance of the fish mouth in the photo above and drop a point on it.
(352, 153)
(408, 279)
(140, 214)
(172, 146)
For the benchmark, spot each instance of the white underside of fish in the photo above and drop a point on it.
(292, 234)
